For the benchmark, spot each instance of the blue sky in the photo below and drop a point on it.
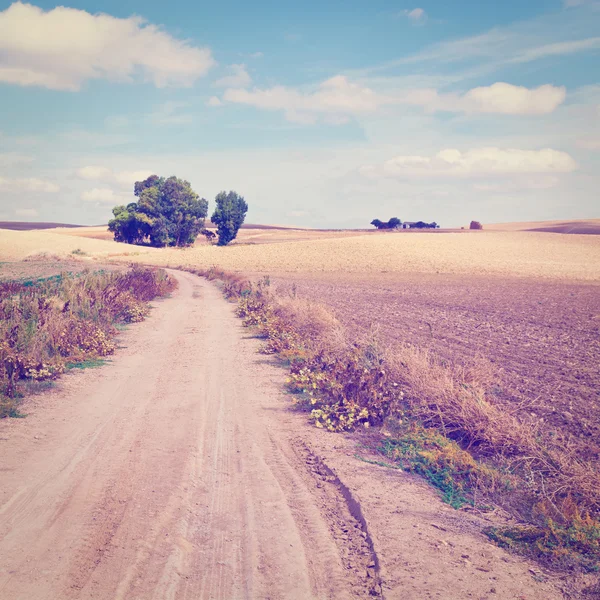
(320, 114)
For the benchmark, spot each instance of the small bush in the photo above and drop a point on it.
(447, 427)
(475, 225)
(49, 323)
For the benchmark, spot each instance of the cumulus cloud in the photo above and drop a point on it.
(28, 184)
(504, 98)
(62, 48)
(338, 97)
(124, 179)
(416, 15)
(477, 162)
(213, 101)
(238, 78)
(103, 196)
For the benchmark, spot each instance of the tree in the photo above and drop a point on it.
(229, 216)
(168, 213)
(393, 223)
(475, 225)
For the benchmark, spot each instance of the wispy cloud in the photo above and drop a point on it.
(27, 213)
(417, 15)
(556, 34)
(171, 113)
(238, 77)
(29, 184)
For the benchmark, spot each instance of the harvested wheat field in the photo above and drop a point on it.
(519, 254)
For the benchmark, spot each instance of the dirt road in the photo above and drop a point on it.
(177, 472)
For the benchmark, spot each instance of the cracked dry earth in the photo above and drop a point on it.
(178, 471)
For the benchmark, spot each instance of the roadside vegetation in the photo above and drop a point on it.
(434, 419)
(51, 324)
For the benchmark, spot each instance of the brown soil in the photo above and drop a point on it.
(543, 338)
(178, 471)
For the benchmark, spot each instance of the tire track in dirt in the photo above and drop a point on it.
(165, 475)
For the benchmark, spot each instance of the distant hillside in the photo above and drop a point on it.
(579, 226)
(25, 226)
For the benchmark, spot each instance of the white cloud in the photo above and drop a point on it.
(213, 101)
(477, 162)
(27, 213)
(504, 98)
(64, 47)
(124, 179)
(556, 49)
(338, 98)
(257, 55)
(335, 96)
(103, 196)
(30, 184)
(238, 78)
(416, 15)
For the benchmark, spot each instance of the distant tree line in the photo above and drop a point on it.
(169, 213)
(396, 223)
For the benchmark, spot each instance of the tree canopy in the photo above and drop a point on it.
(393, 223)
(168, 213)
(229, 216)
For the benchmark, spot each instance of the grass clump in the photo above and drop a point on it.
(450, 430)
(441, 461)
(564, 535)
(47, 325)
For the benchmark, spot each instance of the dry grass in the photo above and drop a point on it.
(47, 323)
(511, 254)
(447, 426)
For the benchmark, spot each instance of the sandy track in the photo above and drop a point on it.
(178, 472)
(164, 482)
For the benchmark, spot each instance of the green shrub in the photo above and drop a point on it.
(47, 323)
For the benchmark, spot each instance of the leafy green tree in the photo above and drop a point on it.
(229, 216)
(168, 213)
(393, 223)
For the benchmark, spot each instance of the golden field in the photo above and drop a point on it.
(511, 254)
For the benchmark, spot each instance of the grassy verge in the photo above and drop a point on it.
(66, 321)
(432, 419)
